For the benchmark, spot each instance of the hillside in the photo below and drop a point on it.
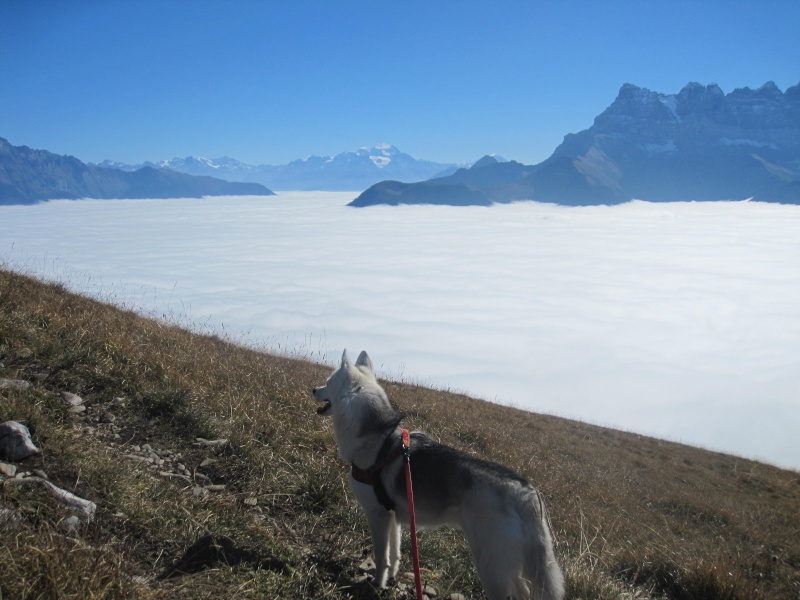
(214, 478)
(28, 176)
(698, 144)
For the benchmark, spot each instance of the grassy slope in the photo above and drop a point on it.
(633, 516)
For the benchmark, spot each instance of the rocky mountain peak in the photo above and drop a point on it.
(697, 144)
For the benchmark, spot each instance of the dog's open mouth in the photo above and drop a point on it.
(324, 408)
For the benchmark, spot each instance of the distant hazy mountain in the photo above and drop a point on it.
(348, 171)
(699, 144)
(28, 176)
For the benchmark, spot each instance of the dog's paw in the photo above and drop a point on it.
(380, 579)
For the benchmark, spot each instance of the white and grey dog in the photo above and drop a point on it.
(500, 513)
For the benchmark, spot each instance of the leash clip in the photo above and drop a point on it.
(406, 441)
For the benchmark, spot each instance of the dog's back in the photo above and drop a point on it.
(500, 512)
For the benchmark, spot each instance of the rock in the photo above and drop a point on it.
(107, 417)
(8, 469)
(199, 492)
(136, 457)
(77, 409)
(250, 501)
(208, 461)
(430, 591)
(171, 475)
(367, 565)
(456, 597)
(204, 443)
(71, 399)
(10, 518)
(71, 524)
(15, 384)
(147, 448)
(15, 441)
(85, 508)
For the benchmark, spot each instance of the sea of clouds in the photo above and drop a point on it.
(678, 320)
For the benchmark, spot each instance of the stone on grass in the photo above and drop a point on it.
(84, 508)
(71, 399)
(204, 443)
(71, 524)
(8, 469)
(16, 384)
(15, 441)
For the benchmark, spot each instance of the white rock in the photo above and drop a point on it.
(8, 469)
(71, 399)
(18, 384)
(10, 518)
(71, 524)
(15, 441)
(85, 508)
(204, 443)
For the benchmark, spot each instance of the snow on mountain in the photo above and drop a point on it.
(346, 171)
(28, 176)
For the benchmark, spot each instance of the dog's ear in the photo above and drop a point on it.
(364, 361)
(346, 364)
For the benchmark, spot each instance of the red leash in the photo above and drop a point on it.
(412, 519)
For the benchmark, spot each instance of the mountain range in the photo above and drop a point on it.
(347, 171)
(698, 144)
(28, 176)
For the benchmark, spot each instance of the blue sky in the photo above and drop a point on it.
(269, 82)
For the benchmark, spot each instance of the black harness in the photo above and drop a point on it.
(372, 475)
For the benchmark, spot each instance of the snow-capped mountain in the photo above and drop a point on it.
(346, 171)
(28, 176)
(698, 144)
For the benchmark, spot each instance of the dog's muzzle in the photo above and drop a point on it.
(326, 404)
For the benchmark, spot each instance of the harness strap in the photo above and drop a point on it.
(372, 475)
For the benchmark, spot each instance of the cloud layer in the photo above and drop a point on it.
(678, 320)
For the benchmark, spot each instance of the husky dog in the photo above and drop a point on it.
(500, 513)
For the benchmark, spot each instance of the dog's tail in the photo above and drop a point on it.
(541, 568)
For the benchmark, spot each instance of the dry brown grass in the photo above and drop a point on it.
(635, 517)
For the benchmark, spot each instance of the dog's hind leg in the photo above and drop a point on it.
(496, 546)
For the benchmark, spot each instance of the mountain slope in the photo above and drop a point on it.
(699, 144)
(269, 514)
(28, 176)
(346, 171)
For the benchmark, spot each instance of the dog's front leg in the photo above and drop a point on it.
(395, 537)
(381, 525)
